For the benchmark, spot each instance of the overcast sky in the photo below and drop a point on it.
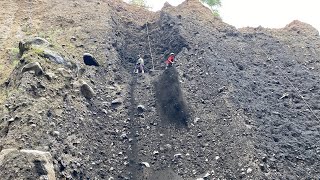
(267, 13)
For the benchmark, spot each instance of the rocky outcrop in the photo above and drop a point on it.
(35, 67)
(26, 164)
(23, 47)
(42, 45)
(53, 56)
(86, 90)
(26, 45)
(39, 42)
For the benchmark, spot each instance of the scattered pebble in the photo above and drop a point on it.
(178, 155)
(117, 101)
(155, 152)
(285, 95)
(141, 108)
(11, 120)
(56, 133)
(168, 146)
(249, 170)
(104, 111)
(124, 136)
(206, 175)
(145, 164)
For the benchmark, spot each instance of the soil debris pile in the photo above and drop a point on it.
(170, 100)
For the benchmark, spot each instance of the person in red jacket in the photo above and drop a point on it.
(170, 60)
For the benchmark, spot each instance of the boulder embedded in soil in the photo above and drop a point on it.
(39, 41)
(89, 60)
(117, 101)
(26, 45)
(87, 91)
(141, 108)
(35, 66)
(53, 57)
(26, 164)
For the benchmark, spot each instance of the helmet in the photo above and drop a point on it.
(171, 53)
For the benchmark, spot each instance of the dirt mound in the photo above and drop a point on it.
(302, 28)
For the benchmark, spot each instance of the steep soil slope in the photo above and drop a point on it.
(238, 103)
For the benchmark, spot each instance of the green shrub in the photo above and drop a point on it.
(213, 4)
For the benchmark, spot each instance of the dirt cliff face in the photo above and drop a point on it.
(238, 103)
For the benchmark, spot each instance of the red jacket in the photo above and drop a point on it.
(170, 59)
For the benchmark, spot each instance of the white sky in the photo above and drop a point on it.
(267, 13)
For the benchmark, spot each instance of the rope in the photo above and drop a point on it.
(149, 44)
(291, 84)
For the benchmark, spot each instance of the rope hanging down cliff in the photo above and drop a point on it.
(149, 43)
